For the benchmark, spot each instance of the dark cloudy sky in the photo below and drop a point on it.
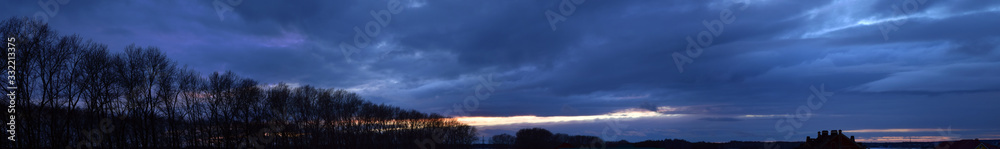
(887, 69)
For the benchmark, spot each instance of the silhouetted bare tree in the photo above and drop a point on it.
(503, 140)
(76, 94)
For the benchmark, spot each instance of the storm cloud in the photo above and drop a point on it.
(918, 64)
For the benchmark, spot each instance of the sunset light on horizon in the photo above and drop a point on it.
(501, 74)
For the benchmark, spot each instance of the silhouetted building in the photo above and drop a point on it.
(965, 144)
(833, 139)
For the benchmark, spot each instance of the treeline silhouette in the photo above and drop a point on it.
(76, 94)
(538, 138)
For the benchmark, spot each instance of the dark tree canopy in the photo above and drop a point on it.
(76, 94)
(534, 138)
(502, 139)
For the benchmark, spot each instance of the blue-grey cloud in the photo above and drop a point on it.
(888, 69)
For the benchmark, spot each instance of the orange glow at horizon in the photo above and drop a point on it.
(531, 119)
